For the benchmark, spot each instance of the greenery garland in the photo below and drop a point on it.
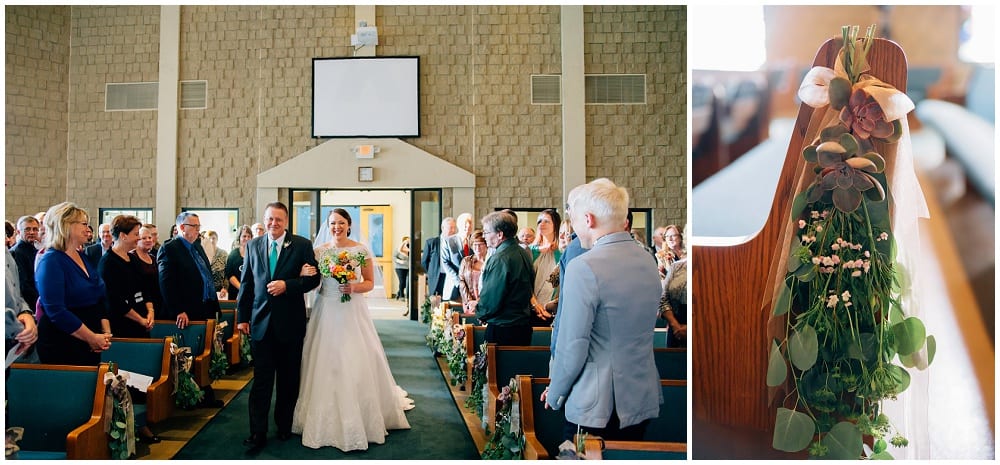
(507, 441)
(220, 363)
(187, 393)
(246, 354)
(425, 310)
(456, 356)
(841, 297)
(475, 400)
(120, 421)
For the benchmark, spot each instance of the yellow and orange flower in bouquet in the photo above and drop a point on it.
(343, 267)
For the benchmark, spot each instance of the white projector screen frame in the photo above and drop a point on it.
(366, 97)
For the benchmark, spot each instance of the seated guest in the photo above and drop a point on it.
(122, 282)
(74, 326)
(468, 273)
(144, 259)
(234, 264)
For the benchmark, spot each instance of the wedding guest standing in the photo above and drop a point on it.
(603, 373)
(401, 263)
(505, 297)
(127, 308)
(144, 258)
(97, 250)
(19, 321)
(673, 303)
(25, 253)
(11, 237)
(525, 237)
(430, 258)
(74, 326)
(469, 272)
(217, 258)
(672, 250)
(545, 255)
(234, 264)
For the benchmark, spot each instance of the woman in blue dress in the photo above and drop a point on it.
(74, 326)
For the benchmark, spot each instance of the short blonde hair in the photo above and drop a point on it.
(58, 221)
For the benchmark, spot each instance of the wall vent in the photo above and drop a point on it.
(546, 89)
(615, 89)
(130, 96)
(194, 95)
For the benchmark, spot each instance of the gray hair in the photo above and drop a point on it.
(182, 218)
(601, 198)
(501, 222)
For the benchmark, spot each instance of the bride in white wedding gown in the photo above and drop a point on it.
(347, 397)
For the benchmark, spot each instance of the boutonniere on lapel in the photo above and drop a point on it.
(286, 244)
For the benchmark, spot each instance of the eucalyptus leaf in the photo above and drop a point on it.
(792, 430)
(799, 204)
(803, 347)
(794, 262)
(784, 303)
(880, 446)
(909, 335)
(931, 349)
(900, 377)
(776, 370)
(809, 153)
(806, 273)
(843, 442)
(884, 455)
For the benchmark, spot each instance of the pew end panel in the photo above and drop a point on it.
(58, 399)
(150, 357)
(198, 336)
(596, 448)
(729, 280)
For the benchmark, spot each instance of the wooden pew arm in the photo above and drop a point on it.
(88, 441)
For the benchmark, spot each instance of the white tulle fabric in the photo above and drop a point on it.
(348, 398)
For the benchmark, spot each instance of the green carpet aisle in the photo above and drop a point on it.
(437, 430)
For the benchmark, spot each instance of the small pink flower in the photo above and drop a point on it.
(845, 296)
(831, 301)
(819, 228)
(867, 254)
(802, 224)
(835, 246)
(856, 273)
(816, 260)
(814, 214)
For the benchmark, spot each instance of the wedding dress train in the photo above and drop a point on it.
(348, 398)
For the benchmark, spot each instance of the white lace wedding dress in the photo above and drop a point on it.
(348, 397)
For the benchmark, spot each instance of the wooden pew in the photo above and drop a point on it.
(61, 409)
(707, 153)
(227, 304)
(474, 337)
(506, 362)
(596, 448)
(198, 336)
(731, 413)
(543, 427)
(230, 337)
(150, 357)
(671, 363)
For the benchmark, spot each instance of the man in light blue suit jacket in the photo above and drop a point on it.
(603, 372)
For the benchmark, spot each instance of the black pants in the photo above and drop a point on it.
(611, 432)
(402, 274)
(274, 357)
(508, 335)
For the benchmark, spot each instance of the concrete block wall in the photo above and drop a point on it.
(641, 147)
(476, 65)
(37, 85)
(111, 156)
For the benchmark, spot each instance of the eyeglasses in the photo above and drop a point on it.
(668, 236)
(195, 226)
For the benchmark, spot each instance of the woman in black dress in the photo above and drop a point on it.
(144, 259)
(234, 264)
(126, 305)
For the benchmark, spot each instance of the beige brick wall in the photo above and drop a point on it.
(111, 156)
(37, 86)
(642, 147)
(476, 63)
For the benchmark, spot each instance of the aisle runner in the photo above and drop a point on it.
(437, 430)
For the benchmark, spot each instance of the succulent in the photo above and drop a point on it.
(843, 174)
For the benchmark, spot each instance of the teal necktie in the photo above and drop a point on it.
(273, 257)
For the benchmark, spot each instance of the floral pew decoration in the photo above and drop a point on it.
(187, 393)
(479, 390)
(455, 353)
(844, 332)
(119, 416)
(507, 441)
(219, 364)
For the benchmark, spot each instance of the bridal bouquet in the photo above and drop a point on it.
(343, 267)
(846, 338)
